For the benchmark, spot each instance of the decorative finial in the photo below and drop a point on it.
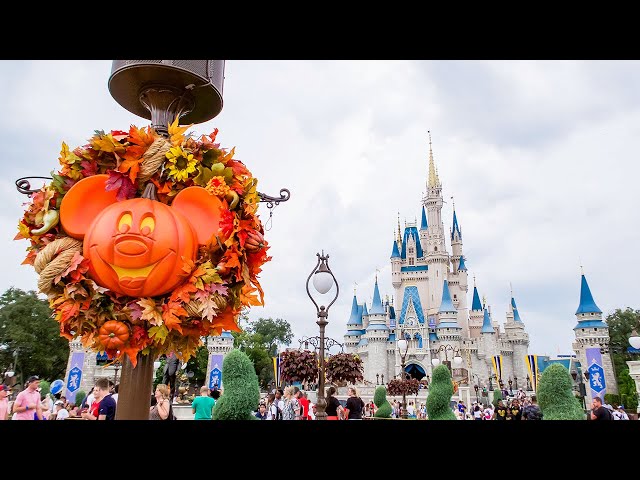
(474, 280)
(433, 174)
(399, 234)
(581, 269)
(484, 301)
(355, 284)
(377, 270)
(511, 288)
(454, 203)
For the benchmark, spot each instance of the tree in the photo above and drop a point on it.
(380, 400)
(440, 392)
(260, 340)
(497, 395)
(241, 392)
(28, 329)
(621, 323)
(555, 395)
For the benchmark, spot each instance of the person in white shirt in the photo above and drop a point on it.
(620, 414)
(61, 412)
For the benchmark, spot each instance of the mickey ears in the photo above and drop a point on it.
(82, 204)
(201, 209)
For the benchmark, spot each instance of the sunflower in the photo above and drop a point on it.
(181, 163)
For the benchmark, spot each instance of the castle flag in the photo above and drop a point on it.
(532, 370)
(497, 366)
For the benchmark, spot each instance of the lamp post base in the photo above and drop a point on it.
(136, 384)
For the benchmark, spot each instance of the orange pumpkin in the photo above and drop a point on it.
(137, 247)
(254, 242)
(113, 335)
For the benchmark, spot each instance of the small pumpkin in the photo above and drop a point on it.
(113, 335)
(254, 242)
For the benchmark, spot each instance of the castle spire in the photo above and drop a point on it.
(423, 224)
(587, 303)
(475, 304)
(399, 234)
(376, 304)
(486, 323)
(433, 174)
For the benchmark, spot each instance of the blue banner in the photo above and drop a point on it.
(596, 373)
(215, 371)
(74, 377)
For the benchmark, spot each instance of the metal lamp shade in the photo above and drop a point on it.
(129, 78)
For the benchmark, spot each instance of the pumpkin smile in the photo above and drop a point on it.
(132, 273)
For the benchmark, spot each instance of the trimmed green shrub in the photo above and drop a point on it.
(555, 395)
(45, 387)
(497, 395)
(80, 394)
(440, 392)
(612, 399)
(241, 390)
(380, 400)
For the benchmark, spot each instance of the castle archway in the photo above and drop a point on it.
(415, 371)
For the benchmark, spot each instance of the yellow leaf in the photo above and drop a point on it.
(150, 311)
(158, 333)
(176, 132)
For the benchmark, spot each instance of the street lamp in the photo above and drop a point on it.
(634, 339)
(515, 379)
(457, 358)
(323, 279)
(491, 384)
(476, 388)
(403, 346)
(510, 389)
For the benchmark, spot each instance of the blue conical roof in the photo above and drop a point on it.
(446, 305)
(486, 323)
(476, 305)
(456, 227)
(461, 265)
(424, 225)
(587, 304)
(516, 315)
(376, 306)
(364, 310)
(356, 317)
(395, 253)
(226, 334)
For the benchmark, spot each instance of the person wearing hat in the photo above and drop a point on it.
(60, 411)
(27, 405)
(620, 414)
(4, 402)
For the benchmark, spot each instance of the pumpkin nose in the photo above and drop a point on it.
(131, 247)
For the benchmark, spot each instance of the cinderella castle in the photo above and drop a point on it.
(430, 290)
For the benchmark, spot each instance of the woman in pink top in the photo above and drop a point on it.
(4, 402)
(28, 401)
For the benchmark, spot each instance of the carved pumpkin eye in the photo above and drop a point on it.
(147, 225)
(125, 222)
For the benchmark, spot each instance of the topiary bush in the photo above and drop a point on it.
(497, 395)
(380, 400)
(80, 394)
(241, 390)
(440, 392)
(45, 387)
(555, 395)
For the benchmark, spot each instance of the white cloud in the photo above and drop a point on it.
(539, 155)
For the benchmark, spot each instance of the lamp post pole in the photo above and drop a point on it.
(323, 280)
(403, 347)
(510, 389)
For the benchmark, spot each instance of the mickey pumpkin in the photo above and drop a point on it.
(138, 247)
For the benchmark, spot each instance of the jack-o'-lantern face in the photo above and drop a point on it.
(138, 247)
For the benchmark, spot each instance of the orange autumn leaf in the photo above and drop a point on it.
(183, 293)
(247, 298)
(226, 320)
(132, 353)
(176, 132)
(132, 165)
(171, 313)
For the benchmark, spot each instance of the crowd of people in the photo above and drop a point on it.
(288, 403)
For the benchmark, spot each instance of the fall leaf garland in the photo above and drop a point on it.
(218, 285)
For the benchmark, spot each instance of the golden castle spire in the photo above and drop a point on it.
(433, 173)
(399, 234)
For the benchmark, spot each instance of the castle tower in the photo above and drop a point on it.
(424, 229)
(489, 343)
(218, 348)
(592, 344)
(396, 264)
(377, 335)
(476, 316)
(448, 330)
(354, 328)
(518, 339)
(437, 256)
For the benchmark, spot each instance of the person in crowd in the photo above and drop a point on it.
(333, 408)
(28, 405)
(262, 411)
(532, 410)
(515, 412)
(477, 412)
(620, 414)
(500, 412)
(202, 406)
(598, 411)
(291, 408)
(61, 412)
(312, 411)
(355, 405)
(162, 409)
(272, 407)
(304, 404)
(4, 402)
(114, 393)
(488, 412)
(106, 405)
(411, 410)
(88, 400)
(463, 409)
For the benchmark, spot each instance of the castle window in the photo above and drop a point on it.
(411, 261)
(455, 297)
(435, 249)
(410, 250)
(595, 329)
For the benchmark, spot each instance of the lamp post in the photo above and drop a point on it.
(457, 359)
(515, 379)
(403, 346)
(382, 379)
(377, 379)
(510, 389)
(490, 384)
(476, 388)
(323, 280)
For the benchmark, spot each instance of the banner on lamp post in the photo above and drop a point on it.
(596, 373)
(215, 371)
(75, 376)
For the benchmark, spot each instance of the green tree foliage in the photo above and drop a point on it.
(621, 323)
(80, 394)
(45, 387)
(241, 392)
(28, 328)
(380, 400)
(555, 395)
(198, 365)
(497, 395)
(440, 392)
(260, 340)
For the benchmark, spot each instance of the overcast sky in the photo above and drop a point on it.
(540, 156)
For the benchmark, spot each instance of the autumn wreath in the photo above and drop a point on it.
(211, 280)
